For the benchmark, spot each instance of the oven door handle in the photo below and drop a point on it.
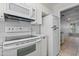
(20, 45)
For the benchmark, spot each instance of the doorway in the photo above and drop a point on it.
(70, 32)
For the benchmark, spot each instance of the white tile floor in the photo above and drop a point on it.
(70, 47)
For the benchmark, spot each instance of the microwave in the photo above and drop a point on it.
(16, 9)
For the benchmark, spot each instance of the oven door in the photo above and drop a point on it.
(33, 50)
(30, 49)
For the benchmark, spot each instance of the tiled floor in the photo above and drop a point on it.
(70, 47)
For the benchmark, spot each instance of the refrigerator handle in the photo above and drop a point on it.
(55, 27)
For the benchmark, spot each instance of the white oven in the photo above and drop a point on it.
(22, 47)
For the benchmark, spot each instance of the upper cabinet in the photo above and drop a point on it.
(37, 14)
(34, 13)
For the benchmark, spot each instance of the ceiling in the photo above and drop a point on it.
(71, 15)
(49, 5)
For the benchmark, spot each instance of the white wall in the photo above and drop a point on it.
(36, 29)
(62, 6)
(26, 26)
(66, 27)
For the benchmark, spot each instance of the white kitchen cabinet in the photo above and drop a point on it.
(2, 6)
(34, 14)
(37, 15)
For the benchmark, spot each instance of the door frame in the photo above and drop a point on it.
(65, 9)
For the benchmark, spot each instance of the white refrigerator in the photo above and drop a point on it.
(51, 29)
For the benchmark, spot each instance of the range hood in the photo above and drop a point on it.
(18, 18)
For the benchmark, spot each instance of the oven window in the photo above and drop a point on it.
(26, 50)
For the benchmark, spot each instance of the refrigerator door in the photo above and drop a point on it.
(56, 37)
(51, 30)
(53, 36)
(47, 31)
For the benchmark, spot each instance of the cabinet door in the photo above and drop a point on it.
(2, 8)
(34, 13)
(39, 16)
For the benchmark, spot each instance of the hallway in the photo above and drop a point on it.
(70, 47)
